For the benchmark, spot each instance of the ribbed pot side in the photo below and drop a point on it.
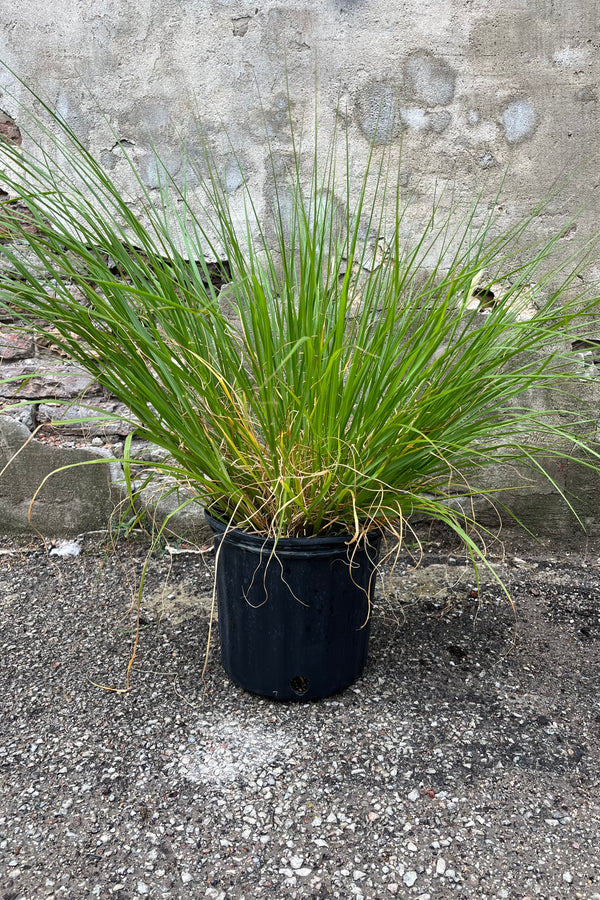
(293, 614)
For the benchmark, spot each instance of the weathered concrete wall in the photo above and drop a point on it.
(472, 86)
(466, 88)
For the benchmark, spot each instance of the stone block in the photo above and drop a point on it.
(43, 378)
(25, 413)
(15, 345)
(168, 505)
(48, 413)
(559, 504)
(9, 130)
(86, 496)
(71, 501)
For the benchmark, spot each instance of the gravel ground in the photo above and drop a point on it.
(464, 763)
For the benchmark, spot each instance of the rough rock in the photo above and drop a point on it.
(71, 501)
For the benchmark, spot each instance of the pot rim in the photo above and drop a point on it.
(309, 544)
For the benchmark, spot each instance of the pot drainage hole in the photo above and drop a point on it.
(300, 684)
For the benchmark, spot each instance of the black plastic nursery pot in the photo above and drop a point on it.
(293, 614)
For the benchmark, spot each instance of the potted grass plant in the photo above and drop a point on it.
(344, 380)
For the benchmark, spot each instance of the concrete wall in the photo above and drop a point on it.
(468, 89)
(473, 86)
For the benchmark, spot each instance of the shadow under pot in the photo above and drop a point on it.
(293, 613)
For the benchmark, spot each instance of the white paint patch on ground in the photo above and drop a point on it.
(571, 56)
(232, 751)
(178, 605)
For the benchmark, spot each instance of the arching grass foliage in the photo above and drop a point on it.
(346, 377)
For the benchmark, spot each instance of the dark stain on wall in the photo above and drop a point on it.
(429, 79)
(377, 112)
